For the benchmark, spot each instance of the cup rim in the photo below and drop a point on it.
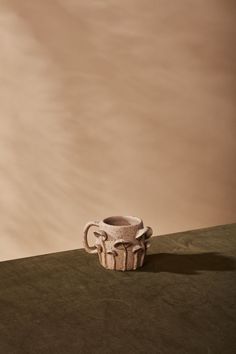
(128, 218)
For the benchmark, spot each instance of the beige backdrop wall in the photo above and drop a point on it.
(114, 107)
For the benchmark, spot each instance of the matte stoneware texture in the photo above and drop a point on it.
(121, 242)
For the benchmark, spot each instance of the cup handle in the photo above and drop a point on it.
(89, 249)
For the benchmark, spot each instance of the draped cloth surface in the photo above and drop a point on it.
(181, 301)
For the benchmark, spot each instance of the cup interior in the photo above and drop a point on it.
(122, 220)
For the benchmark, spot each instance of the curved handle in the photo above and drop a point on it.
(88, 248)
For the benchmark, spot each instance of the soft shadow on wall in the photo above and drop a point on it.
(108, 109)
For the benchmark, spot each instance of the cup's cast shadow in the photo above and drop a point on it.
(187, 263)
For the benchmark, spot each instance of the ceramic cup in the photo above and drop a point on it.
(120, 241)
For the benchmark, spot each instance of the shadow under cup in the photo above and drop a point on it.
(121, 242)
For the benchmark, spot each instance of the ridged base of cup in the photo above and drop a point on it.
(121, 262)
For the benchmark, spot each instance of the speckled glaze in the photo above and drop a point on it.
(121, 242)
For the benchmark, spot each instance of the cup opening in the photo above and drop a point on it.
(122, 220)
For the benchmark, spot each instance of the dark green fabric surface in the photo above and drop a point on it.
(181, 301)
